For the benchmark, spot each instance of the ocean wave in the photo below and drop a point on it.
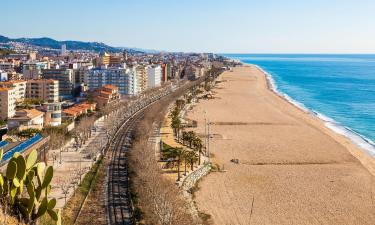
(358, 139)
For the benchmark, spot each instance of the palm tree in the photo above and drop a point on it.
(192, 157)
(184, 137)
(190, 138)
(197, 143)
(177, 154)
(186, 160)
(176, 125)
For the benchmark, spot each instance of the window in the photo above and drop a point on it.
(56, 115)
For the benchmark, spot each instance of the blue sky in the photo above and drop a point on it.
(224, 26)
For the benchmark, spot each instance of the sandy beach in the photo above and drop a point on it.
(292, 169)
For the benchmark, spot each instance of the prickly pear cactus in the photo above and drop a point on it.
(36, 179)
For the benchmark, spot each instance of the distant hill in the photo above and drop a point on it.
(54, 44)
(5, 52)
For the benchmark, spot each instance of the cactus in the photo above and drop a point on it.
(36, 178)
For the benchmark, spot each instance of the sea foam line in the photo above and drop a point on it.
(358, 139)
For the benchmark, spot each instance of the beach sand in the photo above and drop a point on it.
(292, 169)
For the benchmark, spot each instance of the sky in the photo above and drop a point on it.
(220, 26)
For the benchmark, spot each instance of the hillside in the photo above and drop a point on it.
(54, 44)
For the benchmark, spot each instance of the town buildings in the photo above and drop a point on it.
(77, 110)
(60, 78)
(33, 70)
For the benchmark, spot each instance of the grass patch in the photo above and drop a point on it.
(165, 149)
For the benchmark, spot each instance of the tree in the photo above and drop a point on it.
(190, 137)
(176, 125)
(197, 144)
(184, 137)
(177, 154)
(192, 158)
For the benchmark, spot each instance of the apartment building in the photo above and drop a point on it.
(43, 89)
(52, 113)
(33, 70)
(154, 76)
(141, 73)
(106, 95)
(165, 72)
(19, 87)
(124, 78)
(7, 103)
(109, 60)
(66, 80)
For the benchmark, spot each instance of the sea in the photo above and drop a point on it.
(339, 89)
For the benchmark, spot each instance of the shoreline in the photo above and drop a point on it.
(290, 164)
(359, 141)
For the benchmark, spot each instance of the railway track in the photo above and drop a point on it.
(118, 201)
(119, 207)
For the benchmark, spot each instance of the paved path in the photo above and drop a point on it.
(72, 161)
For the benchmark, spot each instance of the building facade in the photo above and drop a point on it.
(141, 73)
(124, 78)
(154, 76)
(43, 89)
(19, 87)
(52, 113)
(33, 70)
(66, 81)
(26, 118)
(7, 103)
(106, 95)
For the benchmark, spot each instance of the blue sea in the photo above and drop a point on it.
(339, 89)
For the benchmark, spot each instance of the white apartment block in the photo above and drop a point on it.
(153, 76)
(123, 78)
(7, 103)
(19, 87)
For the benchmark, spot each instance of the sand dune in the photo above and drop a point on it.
(292, 170)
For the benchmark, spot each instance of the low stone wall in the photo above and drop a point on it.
(189, 182)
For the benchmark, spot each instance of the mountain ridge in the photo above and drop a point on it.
(47, 42)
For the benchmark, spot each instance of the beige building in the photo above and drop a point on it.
(109, 60)
(44, 89)
(27, 118)
(141, 74)
(19, 87)
(106, 95)
(7, 103)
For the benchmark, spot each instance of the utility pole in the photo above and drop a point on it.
(208, 138)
